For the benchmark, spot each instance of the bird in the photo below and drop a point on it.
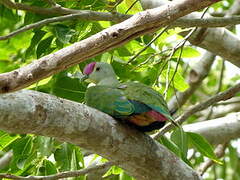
(133, 103)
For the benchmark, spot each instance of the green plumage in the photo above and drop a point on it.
(115, 100)
(142, 93)
(131, 102)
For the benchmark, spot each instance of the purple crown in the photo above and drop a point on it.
(89, 68)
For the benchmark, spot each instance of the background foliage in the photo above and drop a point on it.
(159, 64)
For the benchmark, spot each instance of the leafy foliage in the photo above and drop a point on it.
(158, 66)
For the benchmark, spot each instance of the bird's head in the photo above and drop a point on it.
(99, 73)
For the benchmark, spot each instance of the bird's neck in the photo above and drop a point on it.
(109, 81)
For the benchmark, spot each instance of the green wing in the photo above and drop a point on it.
(144, 94)
(109, 100)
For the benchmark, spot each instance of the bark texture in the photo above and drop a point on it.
(217, 131)
(42, 114)
(139, 24)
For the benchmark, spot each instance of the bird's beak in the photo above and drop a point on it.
(84, 77)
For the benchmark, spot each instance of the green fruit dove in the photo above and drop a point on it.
(130, 102)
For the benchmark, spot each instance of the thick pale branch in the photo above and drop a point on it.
(137, 25)
(229, 93)
(220, 111)
(208, 39)
(42, 114)
(219, 130)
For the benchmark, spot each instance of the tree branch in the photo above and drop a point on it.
(5, 159)
(42, 114)
(99, 16)
(139, 24)
(209, 38)
(81, 16)
(58, 10)
(229, 93)
(195, 78)
(217, 131)
(66, 174)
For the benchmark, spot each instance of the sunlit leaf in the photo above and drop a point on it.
(178, 81)
(179, 137)
(202, 145)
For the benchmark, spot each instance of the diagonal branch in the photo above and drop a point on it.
(209, 38)
(217, 131)
(99, 16)
(229, 93)
(139, 24)
(42, 114)
(85, 15)
(66, 174)
(58, 10)
(196, 75)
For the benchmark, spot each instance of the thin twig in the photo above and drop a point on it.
(219, 87)
(59, 10)
(52, 3)
(234, 100)
(115, 5)
(180, 45)
(182, 22)
(131, 6)
(219, 151)
(229, 93)
(149, 44)
(82, 16)
(59, 175)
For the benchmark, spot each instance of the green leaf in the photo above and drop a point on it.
(47, 168)
(44, 46)
(179, 81)
(69, 157)
(6, 139)
(63, 33)
(124, 176)
(63, 156)
(74, 161)
(108, 173)
(170, 145)
(202, 145)
(233, 155)
(179, 137)
(45, 145)
(38, 35)
(188, 52)
(123, 51)
(68, 87)
(113, 170)
(116, 170)
(22, 149)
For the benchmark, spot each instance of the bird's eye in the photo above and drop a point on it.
(98, 68)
